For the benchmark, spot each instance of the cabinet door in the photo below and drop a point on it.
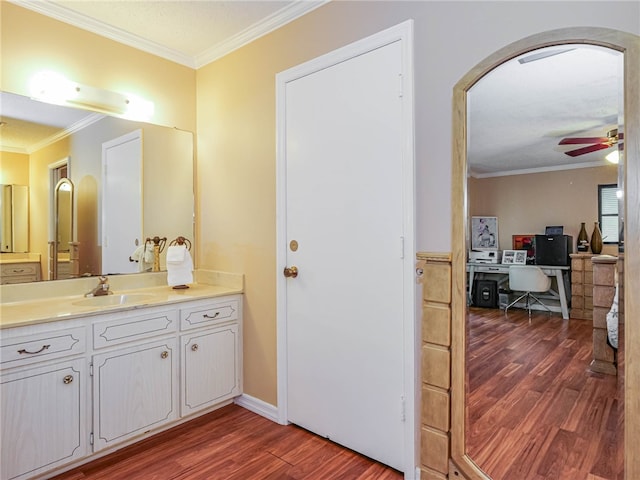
(134, 391)
(42, 418)
(210, 368)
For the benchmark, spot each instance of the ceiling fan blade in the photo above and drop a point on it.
(583, 140)
(589, 149)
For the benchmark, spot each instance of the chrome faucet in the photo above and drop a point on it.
(101, 289)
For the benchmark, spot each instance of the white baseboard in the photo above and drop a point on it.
(258, 406)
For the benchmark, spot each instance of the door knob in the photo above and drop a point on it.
(291, 271)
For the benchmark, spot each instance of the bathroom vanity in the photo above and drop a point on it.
(81, 377)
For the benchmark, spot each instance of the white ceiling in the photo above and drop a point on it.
(518, 112)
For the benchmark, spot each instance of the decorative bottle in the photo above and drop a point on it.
(621, 238)
(596, 239)
(583, 239)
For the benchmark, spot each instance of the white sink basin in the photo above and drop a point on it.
(109, 300)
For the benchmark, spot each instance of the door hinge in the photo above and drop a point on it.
(91, 438)
(400, 86)
(403, 409)
(401, 247)
(91, 369)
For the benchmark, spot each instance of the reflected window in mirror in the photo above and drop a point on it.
(608, 197)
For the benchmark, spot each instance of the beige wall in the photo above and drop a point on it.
(14, 168)
(236, 130)
(526, 204)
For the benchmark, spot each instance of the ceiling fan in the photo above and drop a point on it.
(597, 143)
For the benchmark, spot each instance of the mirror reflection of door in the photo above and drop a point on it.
(121, 202)
(60, 218)
(533, 406)
(64, 216)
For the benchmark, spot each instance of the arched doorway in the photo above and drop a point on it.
(629, 45)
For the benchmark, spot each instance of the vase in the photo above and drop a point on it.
(596, 239)
(583, 239)
(621, 238)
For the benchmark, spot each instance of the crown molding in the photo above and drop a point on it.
(553, 168)
(9, 149)
(71, 17)
(267, 25)
(79, 125)
(257, 30)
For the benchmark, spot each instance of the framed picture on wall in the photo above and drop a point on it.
(528, 243)
(514, 257)
(484, 233)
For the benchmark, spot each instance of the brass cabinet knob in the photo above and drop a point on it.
(194, 347)
(67, 379)
(291, 271)
(164, 354)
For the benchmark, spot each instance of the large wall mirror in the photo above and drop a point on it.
(36, 136)
(524, 402)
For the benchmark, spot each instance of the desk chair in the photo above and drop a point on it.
(528, 279)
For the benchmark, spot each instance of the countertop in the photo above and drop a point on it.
(7, 258)
(10, 261)
(31, 311)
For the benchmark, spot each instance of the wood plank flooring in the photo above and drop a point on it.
(233, 443)
(535, 410)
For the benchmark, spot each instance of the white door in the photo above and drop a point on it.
(347, 227)
(121, 202)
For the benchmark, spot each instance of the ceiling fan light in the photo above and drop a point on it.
(613, 157)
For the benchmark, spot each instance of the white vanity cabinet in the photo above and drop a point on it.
(135, 379)
(211, 369)
(43, 392)
(96, 383)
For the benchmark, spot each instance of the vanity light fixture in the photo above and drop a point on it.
(613, 157)
(51, 87)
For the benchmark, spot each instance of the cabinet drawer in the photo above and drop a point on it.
(129, 328)
(19, 269)
(207, 314)
(44, 346)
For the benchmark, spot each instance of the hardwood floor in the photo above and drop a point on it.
(233, 443)
(536, 411)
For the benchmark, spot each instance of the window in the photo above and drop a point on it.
(608, 212)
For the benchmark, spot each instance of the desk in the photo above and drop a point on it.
(556, 271)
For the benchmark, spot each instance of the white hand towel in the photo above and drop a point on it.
(140, 257)
(176, 254)
(148, 253)
(179, 272)
(137, 253)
